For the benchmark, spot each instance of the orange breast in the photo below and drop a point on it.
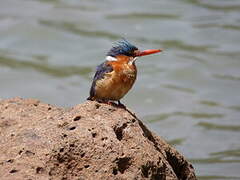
(117, 83)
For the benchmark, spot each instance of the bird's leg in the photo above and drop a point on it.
(121, 105)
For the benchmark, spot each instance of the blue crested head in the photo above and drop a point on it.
(122, 47)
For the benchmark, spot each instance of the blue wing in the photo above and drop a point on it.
(102, 69)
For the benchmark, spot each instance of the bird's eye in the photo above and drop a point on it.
(135, 52)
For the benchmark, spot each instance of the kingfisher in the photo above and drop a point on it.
(117, 74)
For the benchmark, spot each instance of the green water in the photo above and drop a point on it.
(189, 94)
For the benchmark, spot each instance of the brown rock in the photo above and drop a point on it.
(88, 141)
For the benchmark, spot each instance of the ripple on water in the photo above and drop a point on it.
(77, 30)
(217, 104)
(217, 177)
(227, 153)
(212, 126)
(193, 57)
(52, 70)
(222, 26)
(210, 103)
(179, 88)
(215, 160)
(177, 141)
(143, 16)
(164, 116)
(216, 5)
(235, 108)
(226, 77)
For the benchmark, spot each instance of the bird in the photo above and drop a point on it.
(117, 74)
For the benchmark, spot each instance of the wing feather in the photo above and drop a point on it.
(101, 70)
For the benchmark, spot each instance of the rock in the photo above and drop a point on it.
(88, 141)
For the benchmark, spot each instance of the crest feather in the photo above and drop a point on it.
(122, 47)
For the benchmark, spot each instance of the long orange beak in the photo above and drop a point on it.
(147, 52)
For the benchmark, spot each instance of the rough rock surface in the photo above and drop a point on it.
(88, 141)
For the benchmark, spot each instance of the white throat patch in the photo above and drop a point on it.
(132, 61)
(110, 58)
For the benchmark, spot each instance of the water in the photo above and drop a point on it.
(189, 94)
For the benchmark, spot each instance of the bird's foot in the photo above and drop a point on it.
(106, 102)
(110, 103)
(90, 98)
(121, 105)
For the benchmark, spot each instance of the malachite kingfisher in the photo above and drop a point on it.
(116, 76)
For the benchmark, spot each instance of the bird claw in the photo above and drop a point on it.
(121, 105)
